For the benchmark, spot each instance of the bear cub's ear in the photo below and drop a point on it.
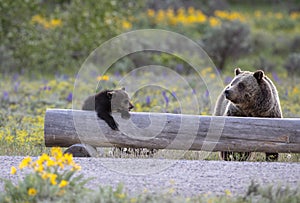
(259, 75)
(110, 94)
(237, 71)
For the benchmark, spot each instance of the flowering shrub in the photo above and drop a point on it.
(57, 36)
(49, 178)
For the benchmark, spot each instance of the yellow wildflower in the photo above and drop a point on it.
(13, 170)
(295, 91)
(75, 167)
(191, 11)
(295, 15)
(55, 22)
(56, 152)
(151, 12)
(170, 13)
(50, 163)
(39, 168)
(21, 135)
(181, 11)
(201, 17)
(121, 195)
(278, 15)
(60, 164)
(9, 138)
(171, 191)
(38, 19)
(32, 192)
(133, 200)
(45, 175)
(126, 25)
(68, 158)
(227, 192)
(191, 19)
(42, 159)
(63, 183)
(221, 14)
(236, 16)
(103, 77)
(257, 14)
(160, 16)
(25, 162)
(213, 22)
(1, 134)
(52, 178)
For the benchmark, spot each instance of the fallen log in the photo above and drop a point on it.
(173, 131)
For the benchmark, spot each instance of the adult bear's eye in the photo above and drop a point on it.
(241, 86)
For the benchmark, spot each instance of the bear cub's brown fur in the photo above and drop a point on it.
(108, 101)
(250, 94)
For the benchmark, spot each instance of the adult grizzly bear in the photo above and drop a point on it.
(250, 94)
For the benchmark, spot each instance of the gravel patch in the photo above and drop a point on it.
(180, 177)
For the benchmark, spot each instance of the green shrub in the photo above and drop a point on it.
(292, 64)
(230, 40)
(295, 45)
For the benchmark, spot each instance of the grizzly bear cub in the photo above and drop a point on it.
(250, 94)
(108, 101)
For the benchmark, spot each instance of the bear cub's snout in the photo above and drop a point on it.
(130, 106)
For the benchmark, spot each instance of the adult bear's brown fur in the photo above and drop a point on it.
(107, 101)
(250, 94)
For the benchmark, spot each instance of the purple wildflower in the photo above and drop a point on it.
(117, 74)
(15, 77)
(179, 68)
(69, 98)
(46, 87)
(276, 78)
(5, 95)
(16, 86)
(148, 100)
(173, 94)
(206, 94)
(166, 98)
(65, 77)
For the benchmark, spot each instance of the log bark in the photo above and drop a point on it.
(173, 131)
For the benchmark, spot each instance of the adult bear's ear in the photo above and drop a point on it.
(237, 71)
(259, 75)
